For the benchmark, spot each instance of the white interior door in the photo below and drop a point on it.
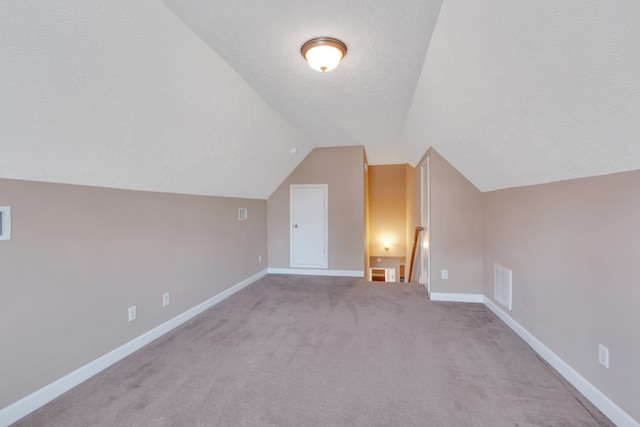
(309, 226)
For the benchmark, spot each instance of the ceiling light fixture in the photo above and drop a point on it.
(323, 53)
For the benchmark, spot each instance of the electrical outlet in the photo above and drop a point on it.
(603, 355)
(132, 313)
(444, 274)
(260, 259)
(165, 299)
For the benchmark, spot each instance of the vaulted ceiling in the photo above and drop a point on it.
(210, 97)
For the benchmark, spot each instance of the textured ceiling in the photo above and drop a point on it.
(362, 102)
(523, 92)
(122, 94)
(208, 97)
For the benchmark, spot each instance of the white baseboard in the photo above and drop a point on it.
(317, 272)
(439, 296)
(30, 403)
(616, 414)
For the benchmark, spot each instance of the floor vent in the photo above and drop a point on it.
(502, 285)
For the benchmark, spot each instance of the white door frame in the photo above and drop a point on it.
(326, 225)
(425, 208)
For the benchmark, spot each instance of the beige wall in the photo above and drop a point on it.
(387, 210)
(342, 168)
(456, 230)
(574, 249)
(455, 239)
(80, 256)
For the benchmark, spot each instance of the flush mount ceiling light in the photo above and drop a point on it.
(323, 53)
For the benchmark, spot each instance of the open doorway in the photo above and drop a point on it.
(387, 223)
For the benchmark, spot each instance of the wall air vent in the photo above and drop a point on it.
(5, 223)
(502, 285)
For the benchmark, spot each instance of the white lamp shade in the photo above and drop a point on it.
(323, 58)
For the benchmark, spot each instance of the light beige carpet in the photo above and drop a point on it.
(321, 351)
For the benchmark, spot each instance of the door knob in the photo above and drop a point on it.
(295, 226)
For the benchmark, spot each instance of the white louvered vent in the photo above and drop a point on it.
(242, 214)
(502, 277)
(5, 223)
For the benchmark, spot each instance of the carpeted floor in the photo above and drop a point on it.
(327, 351)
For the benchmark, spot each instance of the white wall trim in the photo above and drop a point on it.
(616, 414)
(35, 400)
(440, 296)
(317, 272)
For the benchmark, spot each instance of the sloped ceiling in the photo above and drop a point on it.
(523, 92)
(122, 94)
(206, 97)
(362, 102)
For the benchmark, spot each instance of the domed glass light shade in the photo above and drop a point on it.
(323, 53)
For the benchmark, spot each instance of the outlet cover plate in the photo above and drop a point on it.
(132, 313)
